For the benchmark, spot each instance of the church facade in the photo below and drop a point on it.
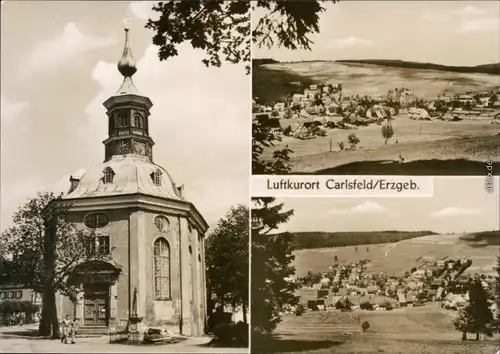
(149, 237)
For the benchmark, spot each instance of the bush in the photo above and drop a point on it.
(386, 305)
(299, 310)
(231, 335)
(287, 131)
(365, 325)
(366, 306)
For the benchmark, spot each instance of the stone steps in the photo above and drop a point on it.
(89, 332)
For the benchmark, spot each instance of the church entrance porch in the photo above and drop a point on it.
(96, 305)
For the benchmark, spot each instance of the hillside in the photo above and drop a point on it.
(491, 238)
(310, 240)
(493, 69)
(271, 86)
(272, 81)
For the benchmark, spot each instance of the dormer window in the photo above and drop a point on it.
(109, 174)
(74, 184)
(156, 177)
(138, 121)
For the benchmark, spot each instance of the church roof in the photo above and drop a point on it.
(132, 174)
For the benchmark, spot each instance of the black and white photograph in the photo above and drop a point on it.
(125, 164)
(377, 88)
(385, 275)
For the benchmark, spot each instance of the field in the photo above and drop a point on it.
(472, 140)
(427, 147)
(368, 79)
(397, 258)
(426, 329)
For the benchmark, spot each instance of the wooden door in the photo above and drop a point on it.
(96, 306)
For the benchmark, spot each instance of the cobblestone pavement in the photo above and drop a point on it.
(17, 344)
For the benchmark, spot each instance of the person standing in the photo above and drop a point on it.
(68, 330)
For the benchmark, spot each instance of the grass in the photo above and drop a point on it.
(397, 258)
(419, 330)
(428, 148)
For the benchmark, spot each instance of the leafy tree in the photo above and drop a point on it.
(271, 265)
(222, 28)
(364, 326)
(46, 247)
(387, 132)
(493, 99)
(353, 140)
(497, 296)
(463, 322)
(227, 254)
(263, 137)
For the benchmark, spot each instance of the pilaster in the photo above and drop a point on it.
(186, 277)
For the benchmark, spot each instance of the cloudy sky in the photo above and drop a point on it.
(458, 205)
(442, 32)
(56, 72)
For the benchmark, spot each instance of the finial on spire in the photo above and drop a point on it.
(126, 65)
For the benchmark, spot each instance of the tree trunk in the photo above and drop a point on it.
(464, 335)
(477, 335)
(245, 320)
(49, 323)
(386, 140)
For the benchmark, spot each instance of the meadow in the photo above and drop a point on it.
(471, 140)
(426, 329)
(369, 79)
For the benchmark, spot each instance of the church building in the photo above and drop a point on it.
(151, 237)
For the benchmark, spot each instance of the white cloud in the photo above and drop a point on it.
(12, 110)
(454, 211)
(351, 42)
(469, 11)
(69, 44)
(199, 122)
(142, 9)
(481, 25)
(367, 207)
(464, 12)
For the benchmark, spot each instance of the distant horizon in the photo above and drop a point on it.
(408, 231)
(339, 60)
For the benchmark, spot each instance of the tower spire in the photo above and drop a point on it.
(126, 65)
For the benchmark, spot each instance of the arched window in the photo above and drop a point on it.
(156, 177)
(161, 255)
(109, 174)
(138, 121)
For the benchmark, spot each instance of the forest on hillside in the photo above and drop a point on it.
(309, 240)
(493, 69)
(271, 86)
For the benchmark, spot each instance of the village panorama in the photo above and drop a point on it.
(407, 290)
(335, 128)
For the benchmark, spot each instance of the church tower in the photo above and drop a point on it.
(128, 114)
(151, 237)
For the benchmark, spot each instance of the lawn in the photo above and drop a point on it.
(419, 330)
(473, 140)
(397, 258)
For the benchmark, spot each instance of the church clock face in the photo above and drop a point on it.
(140, 148)
(122, 147)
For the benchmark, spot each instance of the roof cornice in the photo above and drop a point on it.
(141, 201)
